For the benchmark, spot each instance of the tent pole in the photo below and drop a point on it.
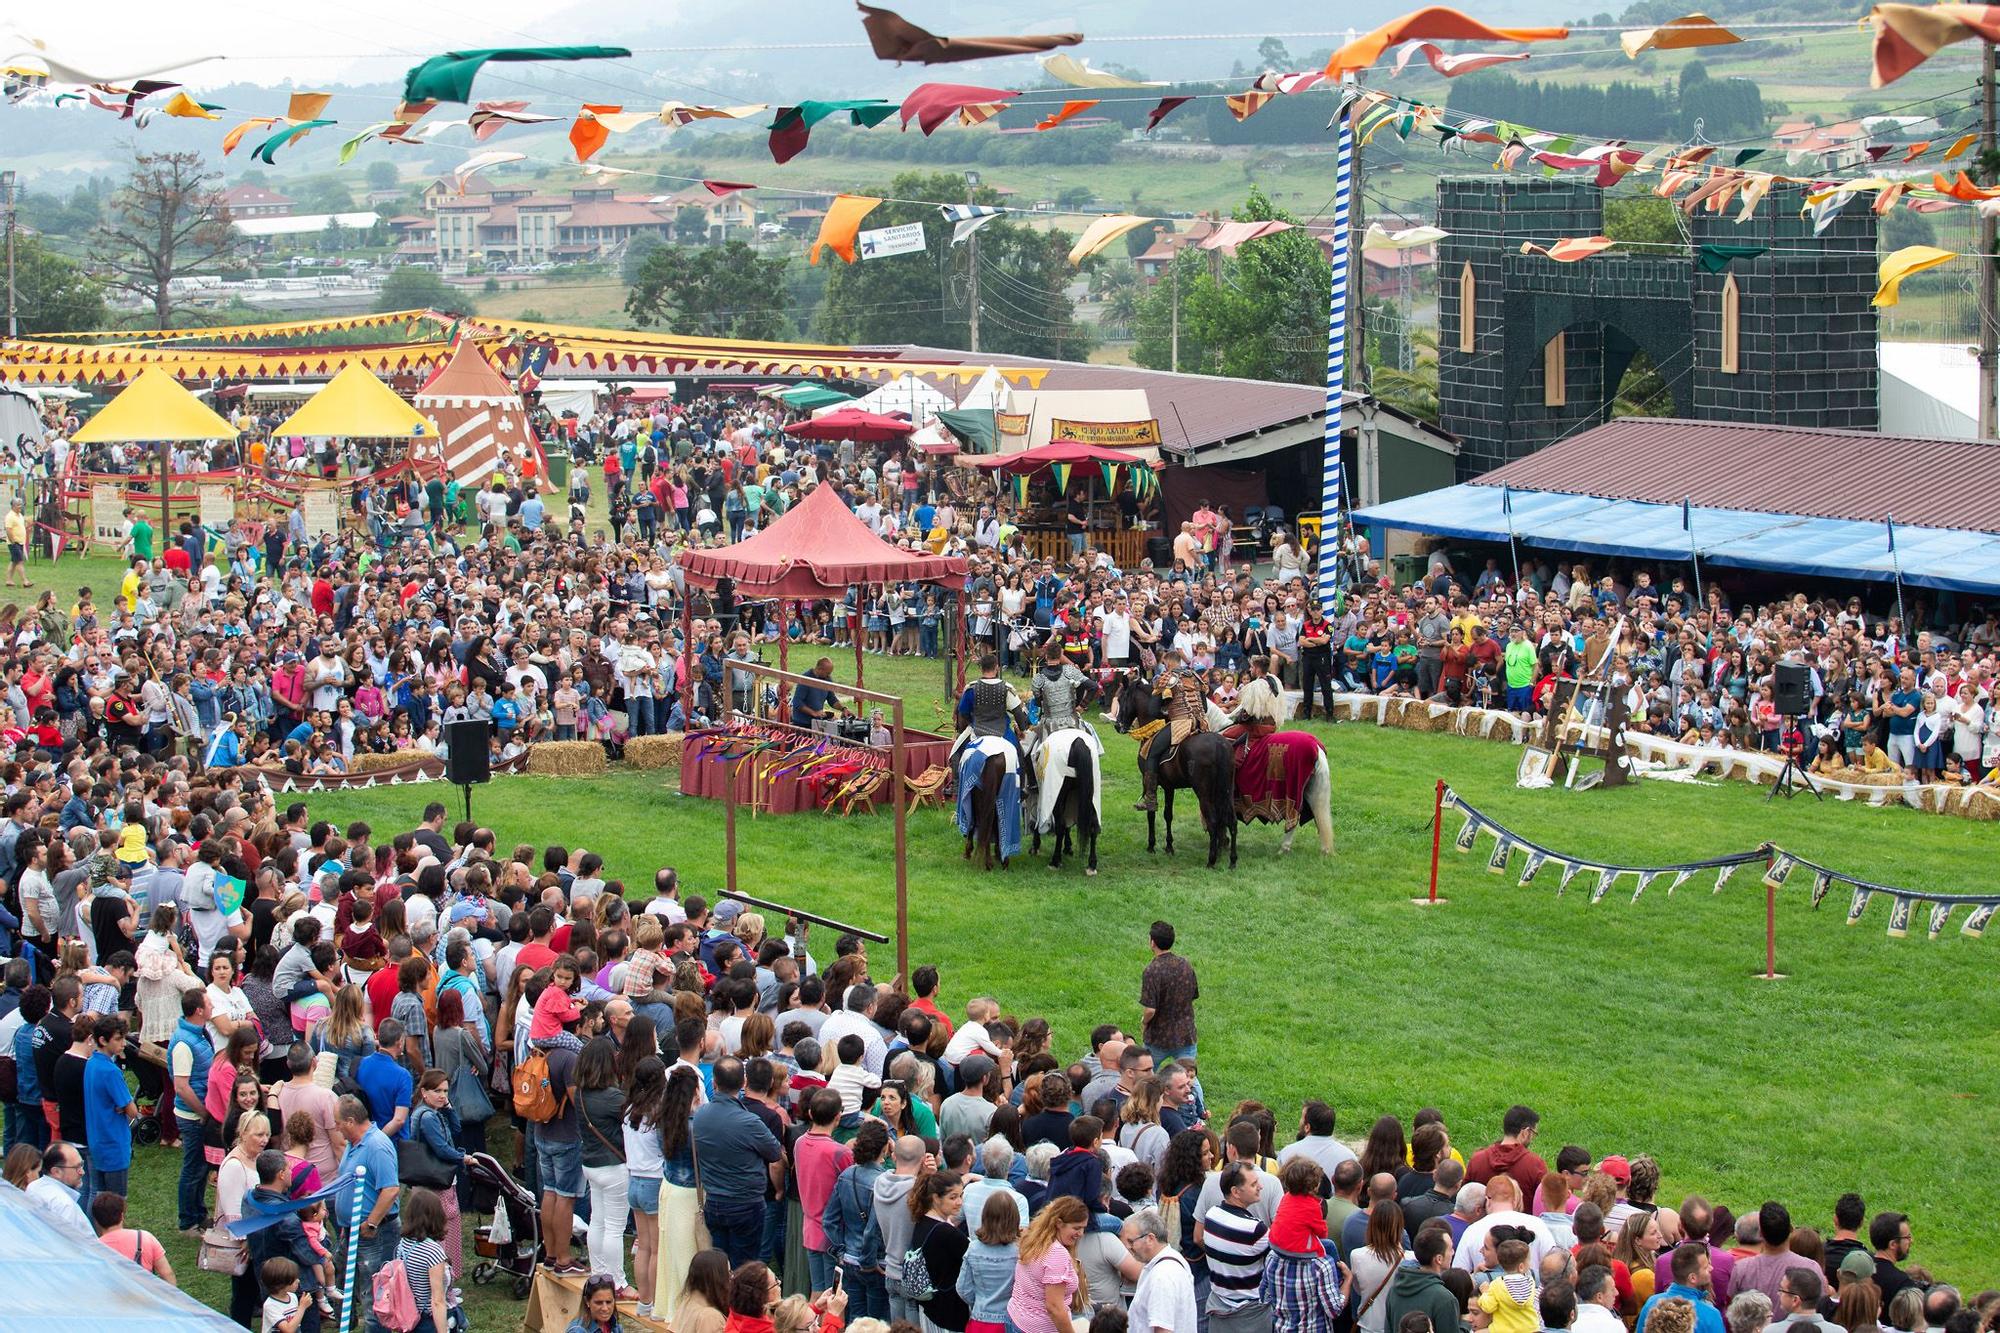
(784, 713)
(166, 524)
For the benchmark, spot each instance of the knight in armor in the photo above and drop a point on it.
(1186, 694)
(991, 707)
(1060, 692)
(1260, 704)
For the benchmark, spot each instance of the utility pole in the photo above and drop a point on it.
(972, 259)
(1174, 355)
(7, 184)
(1989, 255)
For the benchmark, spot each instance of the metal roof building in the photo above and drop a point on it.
(1824, 503)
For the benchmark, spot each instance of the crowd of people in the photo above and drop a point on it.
(726, 1121)
(281, 1000)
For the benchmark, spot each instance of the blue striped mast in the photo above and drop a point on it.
(1332, 503)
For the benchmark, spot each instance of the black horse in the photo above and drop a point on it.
(1204, 763)
(1076, 809)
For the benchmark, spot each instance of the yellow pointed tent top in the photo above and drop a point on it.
(154, 406)
(355, 404)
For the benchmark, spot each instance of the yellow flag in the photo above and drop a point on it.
(1910, 259)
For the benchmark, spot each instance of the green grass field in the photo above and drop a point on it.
(1631, 1027)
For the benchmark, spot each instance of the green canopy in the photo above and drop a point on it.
(976, 426)
(808, 397)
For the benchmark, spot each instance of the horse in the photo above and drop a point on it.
(1205, 763)
(1270, 803)
(982, 800)
(1068, 802)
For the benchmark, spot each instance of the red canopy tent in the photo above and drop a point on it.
(1030, 461)
(819, 549)
(849, 423)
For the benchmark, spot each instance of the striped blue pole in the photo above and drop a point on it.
(355, 1296)
(1332, 500)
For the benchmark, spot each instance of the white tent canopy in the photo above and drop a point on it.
(991, 391)
(907, 394)
(578, 396)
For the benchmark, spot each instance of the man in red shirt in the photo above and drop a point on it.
(819, 1161)
(924, 984)
(537, 953)
(1511, 1155)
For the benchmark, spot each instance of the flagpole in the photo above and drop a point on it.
(1694, 554)
(1896, 563)
(1513, 552)
(1328, 574)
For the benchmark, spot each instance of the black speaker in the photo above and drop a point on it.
(467, 759)
(1792, 689)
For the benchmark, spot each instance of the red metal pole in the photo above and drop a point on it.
(1437, 835)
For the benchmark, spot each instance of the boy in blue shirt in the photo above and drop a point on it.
(108, 1109)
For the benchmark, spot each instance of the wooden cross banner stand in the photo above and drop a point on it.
(1566, 737)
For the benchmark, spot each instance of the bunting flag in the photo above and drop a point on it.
(1229, 235)
(840, 226)
(1078, 74)
(896, 38)
(969, 116)
(1435, 23)
(1451, 66)
(676, 114)
(792, 127)
(1901, 264)
(448, 78)
(595, 124)
(1570, 250)
(478, 162)
(1109, 471)
(1409, 238)
(185, 107)
(406, 118)
(1960, 146)
(1247, 104)
(1161, 110)
(489, 118)
(1908, 35)
(721, 188)
(1716, 258)
(966, 219)
(1688, 31)
(1781, 868)
(1103, 232)
(932, 104)
(353, 146)
(1068, 109)
(235, 135)
(1062, 471)
(288, 135)
(1020, 490)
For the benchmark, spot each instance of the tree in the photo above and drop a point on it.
(382, 176)
(1262, 315)
(166, 221)
(715, 291)
(907, 298)
(409, 288)
(1272, 54)
(636, 252)
(1643, 219)
(1074, 196)
(1415, 390)
(690, 225)
(53, 295)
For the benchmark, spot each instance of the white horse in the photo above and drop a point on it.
(1069, 787)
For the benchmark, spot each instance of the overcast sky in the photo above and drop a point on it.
(272, 43)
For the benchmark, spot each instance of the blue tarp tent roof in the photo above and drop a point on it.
(1951, 558)
(53, 1281)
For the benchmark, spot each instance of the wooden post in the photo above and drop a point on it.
(855, 622)
(165, 533)
(729, 822)
(964, 642)
(784, 710)
(902, 798)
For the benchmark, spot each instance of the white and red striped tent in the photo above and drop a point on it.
(481, 421)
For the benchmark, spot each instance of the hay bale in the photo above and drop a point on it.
(566, 759)
(1982, 803)
(371, 763)
(1421, 716)
(662, 751)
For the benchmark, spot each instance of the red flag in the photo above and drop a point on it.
(1068, 109)
(720, 188)
(1167, 107)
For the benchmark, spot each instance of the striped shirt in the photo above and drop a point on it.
(419, 1257)
(1236, 1244)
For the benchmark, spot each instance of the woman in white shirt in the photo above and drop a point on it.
(229, 1007)
(1968, 726)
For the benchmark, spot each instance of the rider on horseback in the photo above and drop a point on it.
(990, 706)
(1187, 713)
(1260, 704)
(1060, 692)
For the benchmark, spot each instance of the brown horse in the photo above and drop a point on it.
(984, 829)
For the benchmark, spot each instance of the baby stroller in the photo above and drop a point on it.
(511, 1244)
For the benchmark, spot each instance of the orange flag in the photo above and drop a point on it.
(841, 224)
(1068, 109)
(1433, 24)
(1962, 187)
(586, 135)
